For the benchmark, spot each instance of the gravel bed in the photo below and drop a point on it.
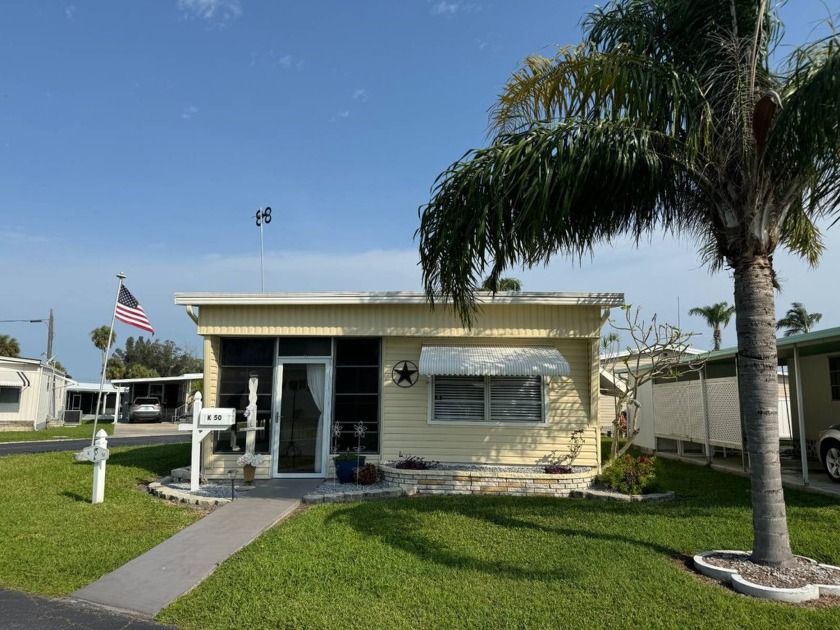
(333, 487)
(496, 469)
(802, 573)
(213, 490)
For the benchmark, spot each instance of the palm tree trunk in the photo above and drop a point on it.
(716, 336)
(758, 393)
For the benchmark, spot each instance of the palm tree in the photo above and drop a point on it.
(9, 346)
(716, 316)
(502, 284)
(668, 117)
(798, 320)
(99, 337)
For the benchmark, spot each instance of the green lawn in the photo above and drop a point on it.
(57, 433)
(506, 562)
(55, 541)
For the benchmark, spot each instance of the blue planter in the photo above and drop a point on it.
(344, 469)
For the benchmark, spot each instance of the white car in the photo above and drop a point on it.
(828, 448)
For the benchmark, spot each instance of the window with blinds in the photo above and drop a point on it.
(503, 399)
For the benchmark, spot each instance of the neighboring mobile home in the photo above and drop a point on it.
(30, 393)
(701, 413)
(385, 372)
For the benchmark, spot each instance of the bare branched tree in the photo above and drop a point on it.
(653, 351)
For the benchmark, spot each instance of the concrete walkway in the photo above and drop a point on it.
(150, 582)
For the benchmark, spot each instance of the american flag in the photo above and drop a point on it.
(130, 312)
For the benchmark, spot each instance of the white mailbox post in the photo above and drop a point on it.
(205, 420)
(98, 454)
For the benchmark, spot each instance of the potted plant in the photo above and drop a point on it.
(249, 463)
(346, 463)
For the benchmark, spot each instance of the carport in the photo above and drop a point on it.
(173, 392)
(707, 412)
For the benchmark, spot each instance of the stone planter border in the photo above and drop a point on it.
(486, 482)
(741, 585)
(161, 489)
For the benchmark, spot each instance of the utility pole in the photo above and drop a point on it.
(50, 332)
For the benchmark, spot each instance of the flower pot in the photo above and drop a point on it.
(249, 471)
(344, 468)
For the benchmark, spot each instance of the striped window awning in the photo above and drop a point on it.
(12, 379)
(492, 361)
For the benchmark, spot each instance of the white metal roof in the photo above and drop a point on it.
(12, 379)
(492, 361)
(395, 297)
(74, 386)
(159, 379)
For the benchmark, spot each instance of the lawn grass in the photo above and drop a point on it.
(55, 541)
(510, 562)
(77, 432)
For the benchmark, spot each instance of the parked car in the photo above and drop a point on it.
(146, 409)
(828, 448)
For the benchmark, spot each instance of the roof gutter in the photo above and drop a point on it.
(192, 314)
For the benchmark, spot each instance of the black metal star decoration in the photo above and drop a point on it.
(405, 374)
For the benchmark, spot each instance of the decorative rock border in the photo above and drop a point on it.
(453, 481)
(740, 584)
(161, 489)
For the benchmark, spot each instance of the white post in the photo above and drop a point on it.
(705, 403)
(251, 414)
(800, 411)
(195, 459)
(117, 406)
(99, 469)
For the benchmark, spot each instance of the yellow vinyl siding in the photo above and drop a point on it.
(406, 427)
(410, 320)
(570, 402)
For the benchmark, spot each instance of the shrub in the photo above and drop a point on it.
(366, 475)
(630, 475)
(413, 462)
(557, 469)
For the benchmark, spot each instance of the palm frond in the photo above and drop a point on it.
(582, 82)
(554, 188)
(803, 145)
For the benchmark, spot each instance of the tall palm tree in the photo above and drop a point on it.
(99, 337)
(716, 316)
(798, 320)
(668, 117)
(9, 346)
(502, 284)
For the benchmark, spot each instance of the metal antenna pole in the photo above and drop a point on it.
(262, 268)
(262, 216)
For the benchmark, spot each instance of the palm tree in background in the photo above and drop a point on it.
(502, 284)
(798, 320)
(716, 316)
(669, 116)
(99, 337)
(9, 346)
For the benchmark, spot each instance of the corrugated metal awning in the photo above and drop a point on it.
(492, 361)
(12, 379)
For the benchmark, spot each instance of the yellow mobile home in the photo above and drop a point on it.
(386, 374)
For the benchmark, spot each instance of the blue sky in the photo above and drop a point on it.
(142, 136)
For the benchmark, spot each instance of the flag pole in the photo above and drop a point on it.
(121, 277)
